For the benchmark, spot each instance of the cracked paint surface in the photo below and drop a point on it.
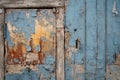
(30, 44)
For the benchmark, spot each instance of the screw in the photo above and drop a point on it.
(55, 10)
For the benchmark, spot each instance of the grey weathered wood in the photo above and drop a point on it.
(60, 44)
(30, 3)
(60, 17)
(1, 44)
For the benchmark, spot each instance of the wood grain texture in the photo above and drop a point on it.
(2, 45)
(101, 59)
(60, 17)
(75, 40)
(91, 39)
(30, 3)
(60, 45)
(113, 41)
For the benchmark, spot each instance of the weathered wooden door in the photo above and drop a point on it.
(36, 41)
(92, 40)
(30, 43)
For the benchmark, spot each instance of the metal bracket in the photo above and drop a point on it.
(114, 10)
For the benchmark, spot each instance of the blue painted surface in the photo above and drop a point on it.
(91, 38)
(27, 74)
(75, 25)
(99, 32)
(113, 32)
(93, 23)
(101, 49)
(22, 21)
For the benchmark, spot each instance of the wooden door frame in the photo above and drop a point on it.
(59, 10)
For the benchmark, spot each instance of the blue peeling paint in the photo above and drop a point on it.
(75, 25)
(23, 24)
(79, 58)
(49, 60)
(45, 69)
(113, 32)
(25, 75)
(37, 48)
(28, 48)
(48, 67)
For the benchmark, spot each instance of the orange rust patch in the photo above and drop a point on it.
(43, 29)
(13, 55)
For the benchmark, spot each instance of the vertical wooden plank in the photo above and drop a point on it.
(79, 26)
(113, 41)
(75, 40)
(91, 39)
(113, 31)
(60, 44)
(1, 44)
(100, 70)
(69, 26)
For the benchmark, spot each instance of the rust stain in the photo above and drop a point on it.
(31, 45)
(40, 54)
(15, 56)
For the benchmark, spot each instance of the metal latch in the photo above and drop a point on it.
(114, 10)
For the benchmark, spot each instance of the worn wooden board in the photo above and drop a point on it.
(86, 20)
(75, 40)
(101, 43)
(2, 44)
(60, 43)
(31, 3)
(113, 41)
(91, 39)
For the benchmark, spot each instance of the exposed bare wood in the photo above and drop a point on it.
(30, 4)
(60, 45)
(60, 54)
(1, 44)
